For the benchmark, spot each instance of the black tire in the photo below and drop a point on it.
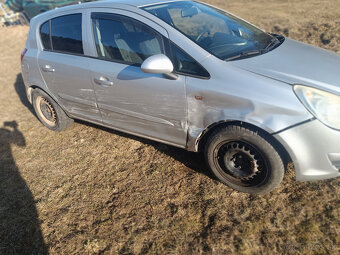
(244, 159)
(49, 112)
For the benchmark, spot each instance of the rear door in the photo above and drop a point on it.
(65, 68)
(145, 104)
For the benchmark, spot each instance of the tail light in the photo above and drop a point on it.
(23, 54)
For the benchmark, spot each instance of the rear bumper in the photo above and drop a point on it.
(314, 149)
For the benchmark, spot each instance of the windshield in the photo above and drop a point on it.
(222, 34)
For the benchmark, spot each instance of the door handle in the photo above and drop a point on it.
(103, 81)
(48, 69)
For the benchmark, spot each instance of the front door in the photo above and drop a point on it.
(130, 100)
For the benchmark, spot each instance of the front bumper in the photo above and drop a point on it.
(314, 149)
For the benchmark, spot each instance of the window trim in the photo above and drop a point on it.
(111, 16)
(166, 43)
(49, 27)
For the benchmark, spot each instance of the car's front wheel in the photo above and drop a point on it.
(244, 159)
(49, 112)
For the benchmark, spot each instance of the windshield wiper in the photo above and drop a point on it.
(244, 54)
(273, 42)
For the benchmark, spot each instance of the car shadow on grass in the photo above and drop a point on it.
(194, 161)
(20, 231)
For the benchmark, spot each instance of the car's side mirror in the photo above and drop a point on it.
(160, 64)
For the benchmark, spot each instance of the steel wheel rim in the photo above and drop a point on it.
(241, 163)
(46, 111)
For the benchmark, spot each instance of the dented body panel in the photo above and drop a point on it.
(237, 95)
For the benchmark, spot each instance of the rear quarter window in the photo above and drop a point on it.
(66, 34)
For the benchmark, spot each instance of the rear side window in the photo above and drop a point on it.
(66, 34)
(185, 64)
(45, 35)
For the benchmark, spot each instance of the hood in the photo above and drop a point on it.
(297, 63)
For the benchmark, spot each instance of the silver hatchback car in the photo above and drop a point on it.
(193, 76)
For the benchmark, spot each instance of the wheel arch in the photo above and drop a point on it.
(30, 90)
(205, 134)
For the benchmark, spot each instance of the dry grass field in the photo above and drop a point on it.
(90, 190)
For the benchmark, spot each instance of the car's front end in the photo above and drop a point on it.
(313, 76)
(314, 149)
(288, 89)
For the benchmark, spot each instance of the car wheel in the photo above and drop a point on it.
(244, 159)
(49, 112)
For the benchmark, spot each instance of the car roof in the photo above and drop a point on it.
(138, 3)
(102, 4)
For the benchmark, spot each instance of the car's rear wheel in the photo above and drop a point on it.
(49, 112)
(244, 159)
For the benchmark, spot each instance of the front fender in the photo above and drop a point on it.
(232, 94)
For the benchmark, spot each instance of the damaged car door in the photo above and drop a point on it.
(129, 99)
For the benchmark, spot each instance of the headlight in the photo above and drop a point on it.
(323, 105)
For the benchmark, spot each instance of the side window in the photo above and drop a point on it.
(45, 35)
(66, 34)
(185, 64)
(123, 39)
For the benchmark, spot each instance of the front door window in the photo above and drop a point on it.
(124, 40)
